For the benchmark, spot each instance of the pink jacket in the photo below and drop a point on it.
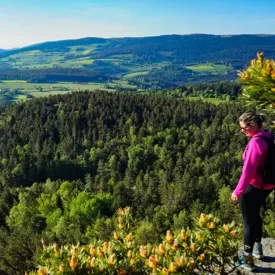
(254, 156)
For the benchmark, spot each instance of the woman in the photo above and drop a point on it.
(250, 191)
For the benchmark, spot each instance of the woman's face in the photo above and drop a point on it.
(249, 129)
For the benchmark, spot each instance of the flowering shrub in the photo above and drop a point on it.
(207, 248)
(258, 81)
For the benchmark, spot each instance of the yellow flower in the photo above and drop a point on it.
(160, 249)
(191, 264)
(122, 272)
(153, 261)
(92, 250)
(116, 235)
(211, 225)
(129, 237)
(169, 236)
(172, 267)
(143, 251)
(112, 259)
(175, 245)
(120, 211)
(61, 268)
(234, 233)
(73, 263)
(180, 261)
(199, 236)
(226, 228)
(92, 262)
(105, 247)
(183, 235)
(129, 254)
(201, 257)
(99, 252)
(164, 271)
(42, 271)
(193, 247)
(203, 218)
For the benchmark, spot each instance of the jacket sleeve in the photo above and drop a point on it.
(251, 163)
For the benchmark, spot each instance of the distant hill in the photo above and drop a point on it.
(162, 61)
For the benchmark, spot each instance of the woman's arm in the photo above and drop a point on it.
(253, 156)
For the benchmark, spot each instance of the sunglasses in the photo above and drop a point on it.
(246, 127)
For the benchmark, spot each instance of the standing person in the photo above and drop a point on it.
(250, 191)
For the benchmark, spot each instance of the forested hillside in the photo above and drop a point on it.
(54, 75)
(154, 62)
(68, 162)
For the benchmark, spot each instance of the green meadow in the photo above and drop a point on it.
(211, 68)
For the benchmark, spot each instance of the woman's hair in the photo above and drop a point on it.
(249, 117)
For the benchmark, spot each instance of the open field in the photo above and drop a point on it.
(210, 68)
(25, 86)
(210, 100)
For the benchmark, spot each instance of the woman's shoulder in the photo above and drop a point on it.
(261, 139)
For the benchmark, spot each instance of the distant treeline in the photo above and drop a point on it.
(176, 75)
(54, 75)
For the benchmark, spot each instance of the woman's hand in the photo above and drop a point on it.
(234, 197)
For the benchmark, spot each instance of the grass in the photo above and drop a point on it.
(46, 89)
(210, 100)
(127, 76)
(210, 68)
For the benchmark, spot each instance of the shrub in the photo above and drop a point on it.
(206, 248)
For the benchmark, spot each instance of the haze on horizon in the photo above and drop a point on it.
(27, 22)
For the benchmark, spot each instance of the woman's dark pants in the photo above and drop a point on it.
(250, 203)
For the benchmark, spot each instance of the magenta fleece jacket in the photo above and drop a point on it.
(254, 156)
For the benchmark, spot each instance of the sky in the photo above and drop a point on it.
(27, 22)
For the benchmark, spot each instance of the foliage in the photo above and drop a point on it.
(67, 162)
(258, 82)
(208, 247)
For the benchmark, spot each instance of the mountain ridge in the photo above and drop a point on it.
(157, 60)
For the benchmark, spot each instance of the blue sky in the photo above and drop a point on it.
(26, 22)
